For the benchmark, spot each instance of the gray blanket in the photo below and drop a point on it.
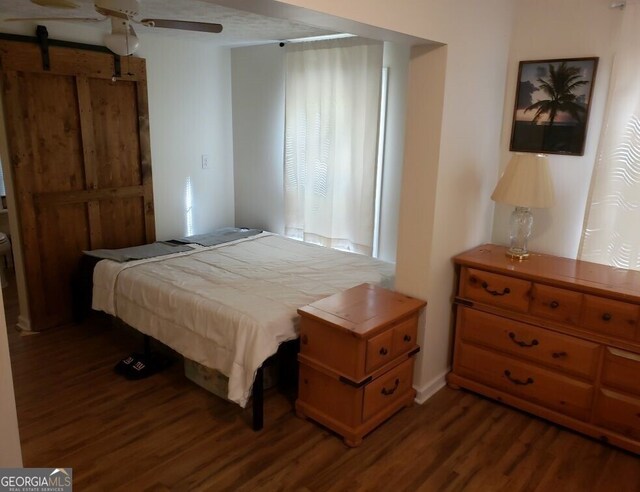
(161, 248)
(138, 252)
(219, 236)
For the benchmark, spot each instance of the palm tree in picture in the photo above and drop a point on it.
(559, 86)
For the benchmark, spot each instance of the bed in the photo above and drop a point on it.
(229, 306)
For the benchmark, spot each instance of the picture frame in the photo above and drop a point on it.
(551, 110)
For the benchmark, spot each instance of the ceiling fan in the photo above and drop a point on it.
(122, 39)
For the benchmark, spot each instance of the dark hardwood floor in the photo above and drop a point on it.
(165, 433)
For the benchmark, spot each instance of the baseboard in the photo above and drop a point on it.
(431, 388)
(24, 323)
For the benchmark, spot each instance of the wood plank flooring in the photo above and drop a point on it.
(165, 433)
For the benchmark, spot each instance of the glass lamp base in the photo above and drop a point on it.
(520, 230)
(517, 255)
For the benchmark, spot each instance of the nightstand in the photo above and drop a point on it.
(356, 358)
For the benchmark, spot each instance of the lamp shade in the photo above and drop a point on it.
(526, 182)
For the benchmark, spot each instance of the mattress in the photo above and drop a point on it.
(229, 307)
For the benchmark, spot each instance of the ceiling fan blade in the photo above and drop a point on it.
(185, 25)
(72, 19)
(112, 13)
(57, 4)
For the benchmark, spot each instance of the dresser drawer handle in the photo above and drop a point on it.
(383, 351)
(533, 342)
(554, 304)
(387, 392)
(507, 373)
(606, 317)
(558, 355)
(407, 338)
(505, 291)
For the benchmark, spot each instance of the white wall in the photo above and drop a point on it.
(258, 136)
(190, 114)
(570, 29)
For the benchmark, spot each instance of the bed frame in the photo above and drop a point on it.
(285, 359)
(287, 369)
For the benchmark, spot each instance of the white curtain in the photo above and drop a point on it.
(612, 225)
(332, 112)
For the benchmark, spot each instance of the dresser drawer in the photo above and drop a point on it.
(620, 413)
(556, 304)
(541, 386)
(621, 370)
(387, 389)
(610, 317)
(405, 336)
(379, 350)
(526, 341)
(495, 289)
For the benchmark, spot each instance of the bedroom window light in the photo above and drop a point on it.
(188, 207)
(332, 111)
(384, 84)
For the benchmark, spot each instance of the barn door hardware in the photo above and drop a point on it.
(43, 40)
(117, 66)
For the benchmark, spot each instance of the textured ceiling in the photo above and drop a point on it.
(239, 27)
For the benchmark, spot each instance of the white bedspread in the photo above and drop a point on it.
(228, 307)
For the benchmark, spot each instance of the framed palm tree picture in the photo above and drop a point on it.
(552, 106)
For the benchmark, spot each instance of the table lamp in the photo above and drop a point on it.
(525, 184)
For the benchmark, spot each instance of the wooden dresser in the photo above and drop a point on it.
(356, 359)
(556, 337)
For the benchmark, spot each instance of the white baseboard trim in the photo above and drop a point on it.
(24, 323)
(431, 388)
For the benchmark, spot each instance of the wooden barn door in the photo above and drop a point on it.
(81, 161)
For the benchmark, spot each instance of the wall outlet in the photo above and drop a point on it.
(206, 159)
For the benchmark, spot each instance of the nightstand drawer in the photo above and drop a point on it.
(523, 340)
(610, 317)
(379, 350)
(387, 389)
(556, 304)
(495, 289)
(621, 370)
(323, 390)
(620, 413)
(527, 381)
(405, 336)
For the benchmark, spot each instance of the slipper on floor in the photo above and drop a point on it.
(147, 365)
(122, 366)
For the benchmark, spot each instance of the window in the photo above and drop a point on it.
(331, 141)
